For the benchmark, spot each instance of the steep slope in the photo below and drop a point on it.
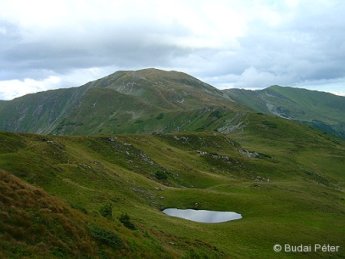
(166, 89)
(278, 174)
(39, 112)
(148, 100)
(321, 110)
(34, 223)
(152, 100)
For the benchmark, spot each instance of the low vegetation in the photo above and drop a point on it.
(102, 196)
(126, 221)
(106, 210)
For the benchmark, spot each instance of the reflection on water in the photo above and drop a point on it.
(204, 216)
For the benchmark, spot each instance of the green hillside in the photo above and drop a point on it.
(287, 181)
(152, 100)
(107, 157)
(40, 112)
(148, 100)
(165, 89)
(321, 110)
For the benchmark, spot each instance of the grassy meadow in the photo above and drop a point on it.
(69, 196)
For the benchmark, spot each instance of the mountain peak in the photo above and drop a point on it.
(153, 73)
(162, 82)
(274, 87)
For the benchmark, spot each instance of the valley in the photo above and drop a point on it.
(87, 171)
(291, 192)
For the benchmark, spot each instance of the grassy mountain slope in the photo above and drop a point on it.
(39, 112)
(128, 101)
(152, 100)
(318, 109)
(35, 223)
(166, 89)
(287, 180)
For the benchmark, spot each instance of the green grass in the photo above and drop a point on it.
(143, 101)
(320, 110)
(294, 193)
(102, 195)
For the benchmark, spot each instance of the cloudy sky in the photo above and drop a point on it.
(247, 44)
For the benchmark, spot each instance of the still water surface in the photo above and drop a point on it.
(204, 216)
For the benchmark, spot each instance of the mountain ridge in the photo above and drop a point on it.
(101, 192)
(152, 100)
(75, 190)
(322, 110)
(147, 100)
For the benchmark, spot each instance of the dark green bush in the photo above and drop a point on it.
(160, 116)
(216, 114)
(126, 221)
(106, 210)
(161, 175)
(104, 236)
(79, 207)
(270, 124)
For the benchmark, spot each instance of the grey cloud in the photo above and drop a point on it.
(99, 47)
(310, 47)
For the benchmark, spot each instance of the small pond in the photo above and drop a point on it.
(203, 216)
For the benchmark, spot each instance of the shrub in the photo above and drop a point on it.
(270, 124)
(161, 175)
(104, 236)
(217, 114)
(126, 221)
(59, 252)
(160, 116)
(79, 207)
(106, 210)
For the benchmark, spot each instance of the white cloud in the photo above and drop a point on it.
(250, 78)
(335, 86)
(10, 89)
(253, 43)
(206, 24)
